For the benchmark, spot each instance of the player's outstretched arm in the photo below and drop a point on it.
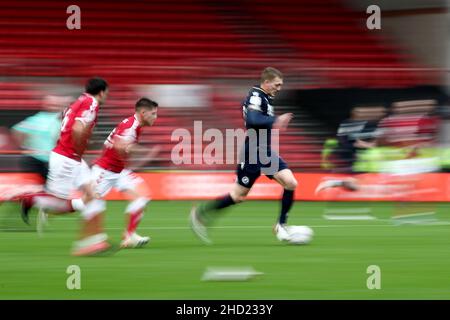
(126, 148)
(255, 119)
(139, 161)
(135, 153)
(282, 121)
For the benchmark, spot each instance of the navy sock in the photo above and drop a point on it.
(224, 202)
(218, 204)
(286, 204)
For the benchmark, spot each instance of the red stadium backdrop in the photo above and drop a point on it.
(191, 186)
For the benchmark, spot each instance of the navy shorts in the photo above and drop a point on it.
(248, 173)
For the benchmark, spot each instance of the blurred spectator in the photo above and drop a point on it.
(411, 124)
(409, 135)
(358, 133)
(410, 131)
(37, 134)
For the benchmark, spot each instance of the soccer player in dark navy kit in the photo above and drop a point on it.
(260, 157)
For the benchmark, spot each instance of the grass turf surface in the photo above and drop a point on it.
(414, 259)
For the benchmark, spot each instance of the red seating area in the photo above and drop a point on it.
(181, 42)
(18, 95)
(139, 41)
(325, 31)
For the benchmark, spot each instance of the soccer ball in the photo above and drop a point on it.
(300, 234)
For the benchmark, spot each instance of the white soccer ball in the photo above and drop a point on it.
(300, 234)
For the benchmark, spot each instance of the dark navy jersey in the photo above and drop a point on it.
(259, 117)
(257, 109)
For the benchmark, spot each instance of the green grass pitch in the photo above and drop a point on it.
(414, 259)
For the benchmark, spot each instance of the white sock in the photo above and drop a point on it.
(93, 208)
(78, 204)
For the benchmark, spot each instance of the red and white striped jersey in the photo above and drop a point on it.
(128, 131)
(84, 109)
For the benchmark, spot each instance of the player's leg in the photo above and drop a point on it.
(42, 168)
(350, 184)
(203, 216)
(210, 209)
(94, 186)
(246, 177)
(59, 186)
(346, 164)
(287, 180)
(92, 213)
(138, 193)
(92, 239)
(206, 213)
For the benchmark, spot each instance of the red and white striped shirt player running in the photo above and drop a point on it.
(69, 172)
(111, 169)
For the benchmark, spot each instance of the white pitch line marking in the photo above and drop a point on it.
(349, 217)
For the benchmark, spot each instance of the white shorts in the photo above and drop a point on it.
(66, 175)
(105, 180)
